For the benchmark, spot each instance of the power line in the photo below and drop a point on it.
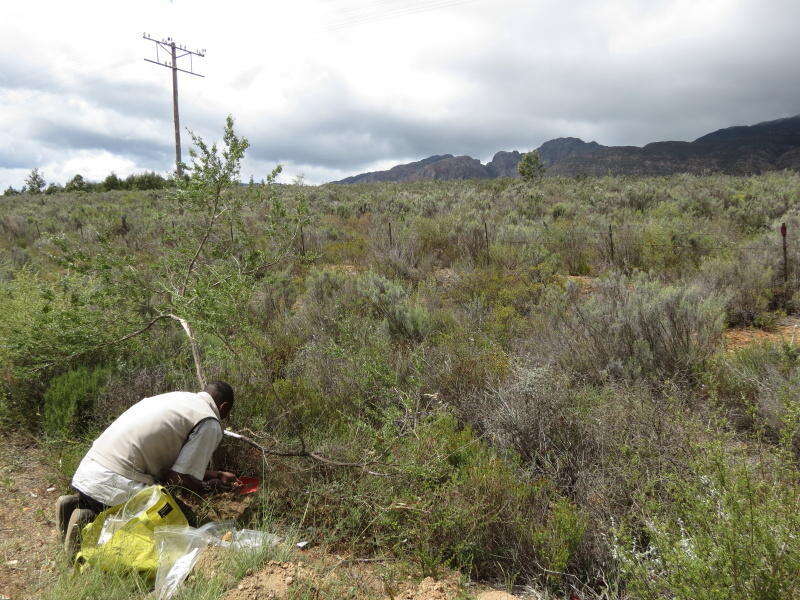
(356, 10)
(175, 52)
(396, 12)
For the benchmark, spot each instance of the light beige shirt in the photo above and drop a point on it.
(177, 431)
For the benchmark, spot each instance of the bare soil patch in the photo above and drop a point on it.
(283, 580)
(29, 544)
(273, 581)
(787, 330)
(585, 284)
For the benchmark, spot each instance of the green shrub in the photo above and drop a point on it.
(759, 389)
(727, 532)
(744, 281)
(634, 328)
(449, 499)
(462, 363)
(601, 447)
(389, 300)
(332, 295)
(69, 399)
(42, 324)
(531, 168)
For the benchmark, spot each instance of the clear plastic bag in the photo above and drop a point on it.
(217, 531)
(178, 549)
(110, 527)
(139, 503)
(251, 539)
(135, 506)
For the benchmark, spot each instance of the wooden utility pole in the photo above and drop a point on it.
(176, 52)
(175, 115)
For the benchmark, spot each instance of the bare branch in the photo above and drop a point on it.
(201, 378)
(315, 455)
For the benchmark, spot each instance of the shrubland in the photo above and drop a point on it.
(529, 377)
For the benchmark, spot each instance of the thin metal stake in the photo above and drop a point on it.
(785, 254)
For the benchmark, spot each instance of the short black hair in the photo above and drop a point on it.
(220, 391)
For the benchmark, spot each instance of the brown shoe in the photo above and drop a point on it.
(64, 507)
(79, 518)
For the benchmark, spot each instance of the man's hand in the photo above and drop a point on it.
(220, 480)
(215, 485)
(227, 478)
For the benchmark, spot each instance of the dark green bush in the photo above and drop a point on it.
(448, 499)
(69, 400)
(43, 325)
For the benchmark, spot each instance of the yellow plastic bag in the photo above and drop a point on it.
(122, 537)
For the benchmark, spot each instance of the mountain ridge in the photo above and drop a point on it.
(737, 150)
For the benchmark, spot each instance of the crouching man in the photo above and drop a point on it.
(167, 439)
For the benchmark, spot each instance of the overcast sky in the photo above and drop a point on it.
(330, 88)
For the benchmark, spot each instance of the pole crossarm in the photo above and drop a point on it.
(168, 43)
(169, 66)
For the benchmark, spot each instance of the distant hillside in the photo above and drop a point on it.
(740, 150)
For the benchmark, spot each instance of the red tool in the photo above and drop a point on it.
(247, 485)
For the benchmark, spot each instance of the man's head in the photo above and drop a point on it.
(222, 393)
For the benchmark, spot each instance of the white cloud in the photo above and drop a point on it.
(467, 77)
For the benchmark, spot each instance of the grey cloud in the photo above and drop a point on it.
(133, 99)
(60, 135)
(547, 71)
(128, 98)
(519, 93)
(123, 99)
(246, 78)
(676, 89)
(11, 159)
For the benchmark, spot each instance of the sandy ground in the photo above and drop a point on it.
(281, 580)
(787, 330)
(29, 548)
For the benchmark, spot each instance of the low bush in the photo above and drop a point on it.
(43, 323)
(633, 328)
(745, 282)
(759, 389)
(332, 294)
(729, 532)
(447, 499)
(602, 447)
(69, 400)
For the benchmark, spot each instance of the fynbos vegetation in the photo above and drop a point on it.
(530, 374)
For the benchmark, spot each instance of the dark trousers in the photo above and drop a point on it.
(93, 505)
